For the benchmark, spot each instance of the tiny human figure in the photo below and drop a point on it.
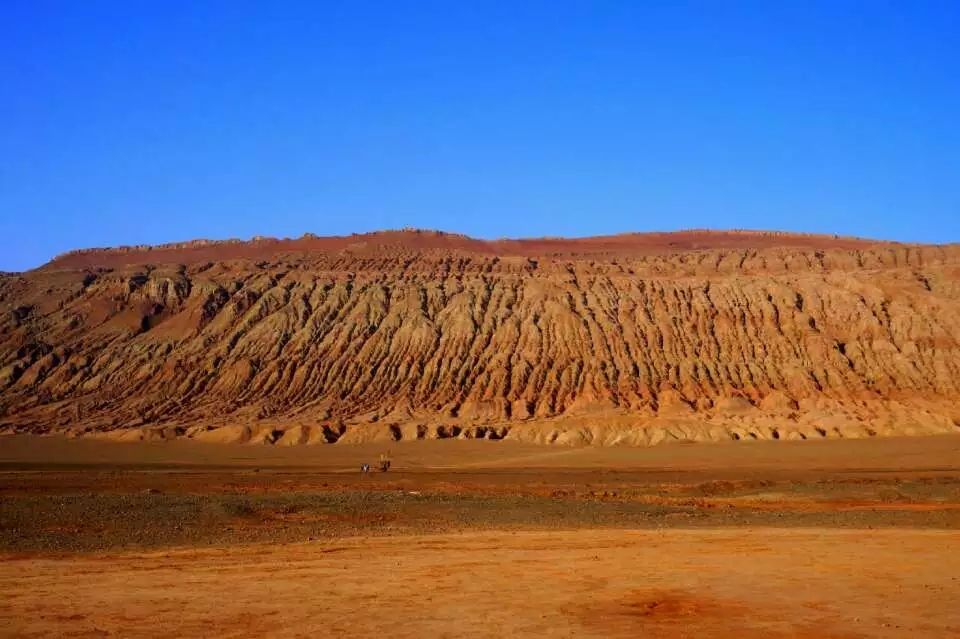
(364, 468)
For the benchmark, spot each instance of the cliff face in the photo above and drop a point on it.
(629, 339)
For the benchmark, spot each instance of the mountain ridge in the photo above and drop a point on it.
(629, 339)
(421, 239)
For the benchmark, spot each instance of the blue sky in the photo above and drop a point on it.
(143, 122)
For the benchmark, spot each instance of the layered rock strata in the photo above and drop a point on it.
(634, 339)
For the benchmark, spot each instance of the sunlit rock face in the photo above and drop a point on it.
(632, 339)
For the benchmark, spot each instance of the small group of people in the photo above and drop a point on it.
(384, 464)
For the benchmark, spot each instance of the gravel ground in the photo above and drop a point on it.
(152, 518)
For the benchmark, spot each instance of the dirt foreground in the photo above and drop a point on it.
(676, 583)
(481, 539)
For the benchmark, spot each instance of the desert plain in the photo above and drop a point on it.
(693, 434)
(842, 538)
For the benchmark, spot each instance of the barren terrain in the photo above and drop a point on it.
(754, 582)
(633, 339)
(695, 434)
(843, 538)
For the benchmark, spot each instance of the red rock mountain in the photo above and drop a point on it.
(634, 339)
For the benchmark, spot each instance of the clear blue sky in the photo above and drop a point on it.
(151, 121)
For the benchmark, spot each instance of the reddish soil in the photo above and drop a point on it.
(211, 404)
(626, 244)
(847, 538)
(748, 582)
(636, 340)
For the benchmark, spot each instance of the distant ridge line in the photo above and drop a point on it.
(204, 242)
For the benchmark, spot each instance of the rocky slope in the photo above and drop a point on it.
(631, 339)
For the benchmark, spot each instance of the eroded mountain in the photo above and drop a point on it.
(632, 339)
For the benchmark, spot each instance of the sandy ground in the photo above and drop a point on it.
(677, 583)
(484, 539)
(932, 453)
